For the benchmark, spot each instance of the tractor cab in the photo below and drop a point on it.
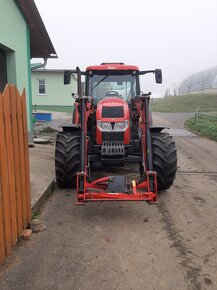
(112, 87)
(112, 80)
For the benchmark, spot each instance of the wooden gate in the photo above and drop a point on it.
(15, 200)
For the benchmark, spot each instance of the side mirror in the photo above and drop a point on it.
(67, 77)
(158, 76)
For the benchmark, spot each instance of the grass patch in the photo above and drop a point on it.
(204, 126)
(185, 103)
(48, 130)
(36, 215)
(67, 109)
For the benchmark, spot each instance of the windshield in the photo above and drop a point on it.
(104, 86)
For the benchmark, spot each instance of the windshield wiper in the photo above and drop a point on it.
(100, 81)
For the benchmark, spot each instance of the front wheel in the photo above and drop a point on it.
(67, 158)
(164, 159)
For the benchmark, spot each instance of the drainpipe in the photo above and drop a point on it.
(40, 65)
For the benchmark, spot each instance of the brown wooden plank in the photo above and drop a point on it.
(26, 154)
(2, 237)
(14, 94)
(22, 160)
(5, 183)
(11, 170)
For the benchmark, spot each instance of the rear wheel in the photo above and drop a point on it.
(67, 158)
(164, 159)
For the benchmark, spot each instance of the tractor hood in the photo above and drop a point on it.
(112, 117)
(114, 108)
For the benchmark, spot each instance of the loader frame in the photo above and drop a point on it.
(143, 189)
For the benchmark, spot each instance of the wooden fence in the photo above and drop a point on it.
(15, 204)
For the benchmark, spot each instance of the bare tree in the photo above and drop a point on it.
(188, 82)
(176, 87)
(175, 92)
(167, 93)
(203, 80)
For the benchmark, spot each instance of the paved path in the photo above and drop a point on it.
(41, 170)
(175, 119)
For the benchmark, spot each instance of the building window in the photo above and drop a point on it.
(41, 87)
(3, 70)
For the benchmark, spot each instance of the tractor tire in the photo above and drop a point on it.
(164, 159)
(67, 158)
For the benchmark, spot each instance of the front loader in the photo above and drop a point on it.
(111, 128)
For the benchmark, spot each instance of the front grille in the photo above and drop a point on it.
(112, 112)
(112, 136)
(112, 148)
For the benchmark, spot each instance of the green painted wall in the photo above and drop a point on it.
(14, 40)
(57, 94)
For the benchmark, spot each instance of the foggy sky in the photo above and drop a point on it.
(178, 36)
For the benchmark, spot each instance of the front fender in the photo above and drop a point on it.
(157, 129)
(71, 128)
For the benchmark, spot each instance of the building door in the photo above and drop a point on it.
(3, 70)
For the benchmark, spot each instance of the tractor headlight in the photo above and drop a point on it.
(104, 126)
(121, 126)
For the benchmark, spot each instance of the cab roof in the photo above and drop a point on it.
(112, 66)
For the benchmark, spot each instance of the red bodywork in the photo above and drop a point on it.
(112, 66)
(112, 103)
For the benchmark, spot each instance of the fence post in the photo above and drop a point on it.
(196, 114)
(5, 184)
(26, 155)
(11, 147)
(14, 94)
(2, 240)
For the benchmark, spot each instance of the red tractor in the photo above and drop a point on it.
(112, 127)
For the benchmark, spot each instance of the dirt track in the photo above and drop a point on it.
(130, 245)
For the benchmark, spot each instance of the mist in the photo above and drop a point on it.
(178, 37)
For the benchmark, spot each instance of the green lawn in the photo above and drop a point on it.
(68, 109)
(185, 103)
(204, 126)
